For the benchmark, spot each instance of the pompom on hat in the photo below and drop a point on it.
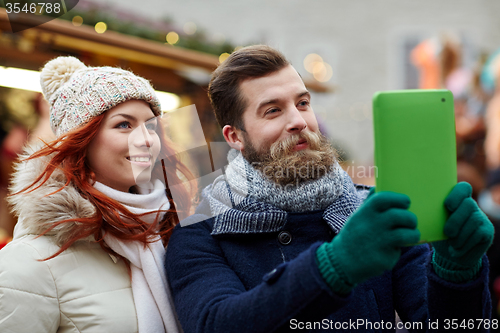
(77, 93)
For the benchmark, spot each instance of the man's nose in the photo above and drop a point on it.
(296, 123)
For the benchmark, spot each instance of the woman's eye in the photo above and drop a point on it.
(123, 124)
(151, 126)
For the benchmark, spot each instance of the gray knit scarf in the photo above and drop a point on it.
(306, 196)
(244, 201)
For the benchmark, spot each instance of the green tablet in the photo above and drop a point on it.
(415, 152)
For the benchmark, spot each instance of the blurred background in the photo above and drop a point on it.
(344, 50)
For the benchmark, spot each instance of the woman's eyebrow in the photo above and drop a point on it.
(130, 117)
(124, 115)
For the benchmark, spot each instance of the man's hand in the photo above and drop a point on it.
(370, 242)
(470, 234)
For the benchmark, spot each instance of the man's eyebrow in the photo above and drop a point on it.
(305, 93)
(264, 103)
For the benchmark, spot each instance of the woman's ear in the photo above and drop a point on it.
(233, 137)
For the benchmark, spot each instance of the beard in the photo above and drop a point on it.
(283, 165)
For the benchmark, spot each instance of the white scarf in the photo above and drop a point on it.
(153, 301)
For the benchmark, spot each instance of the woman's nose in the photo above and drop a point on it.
(140, 137)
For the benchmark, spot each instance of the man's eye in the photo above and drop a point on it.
(304, 103)
(272, 111)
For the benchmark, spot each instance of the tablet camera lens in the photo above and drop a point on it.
(443, 100)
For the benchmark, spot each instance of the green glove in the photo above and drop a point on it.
(370, 241)
(470, 234)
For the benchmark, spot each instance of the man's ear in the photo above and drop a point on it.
(233, 137)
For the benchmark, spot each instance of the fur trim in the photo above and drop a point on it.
(37, 210)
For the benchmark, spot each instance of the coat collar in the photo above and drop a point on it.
(40, 208)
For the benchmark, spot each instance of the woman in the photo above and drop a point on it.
(95, 210)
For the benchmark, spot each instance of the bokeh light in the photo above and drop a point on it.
(77, 21)
(168, 101)
(190, 28)
(322, 72)
(311, 60)
(172, 37)
(20, 79)
(100, 27)
(315, 65)
(223, 57)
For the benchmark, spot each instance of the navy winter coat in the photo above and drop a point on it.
(270, 282)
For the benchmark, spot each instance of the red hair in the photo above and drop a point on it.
(69, 154)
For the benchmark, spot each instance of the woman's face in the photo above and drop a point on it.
(126, 146)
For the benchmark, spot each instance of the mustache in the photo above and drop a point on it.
(286, 146)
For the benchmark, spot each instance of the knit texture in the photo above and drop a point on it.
(370, 242)
(77, 93)
(454, 272)
(152, 299)
(318, 194)
(238, 204)
(329, 272)
(470, 234)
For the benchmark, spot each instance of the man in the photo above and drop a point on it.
(288, 242)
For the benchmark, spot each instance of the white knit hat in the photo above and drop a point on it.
(77, 93)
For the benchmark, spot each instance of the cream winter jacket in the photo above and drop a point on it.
(84, 289)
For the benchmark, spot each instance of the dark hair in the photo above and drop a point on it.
(249, 62)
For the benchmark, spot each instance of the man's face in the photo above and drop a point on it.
(278, 106)
(281, 132)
